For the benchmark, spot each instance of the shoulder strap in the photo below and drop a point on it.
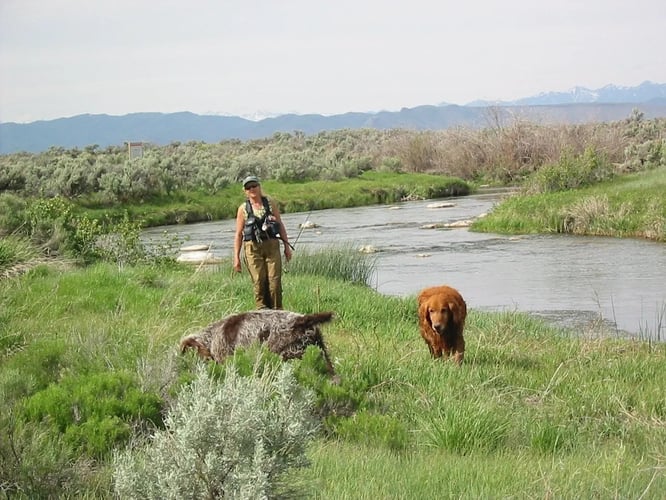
(267, 205)
(248, 208)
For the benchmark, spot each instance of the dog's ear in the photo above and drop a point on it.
(458, 312)
(424, 316)
(453, 312)
(194, 342)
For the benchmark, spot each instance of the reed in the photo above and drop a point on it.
(341, 262)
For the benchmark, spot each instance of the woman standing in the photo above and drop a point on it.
(259, 230)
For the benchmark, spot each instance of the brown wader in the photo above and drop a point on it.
(264, 263)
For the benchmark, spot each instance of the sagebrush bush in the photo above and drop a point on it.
(235, 438)
(646, 155)
(121, 242)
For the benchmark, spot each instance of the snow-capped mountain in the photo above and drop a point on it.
(645, 92)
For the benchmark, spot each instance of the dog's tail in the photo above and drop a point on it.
(312, 320)
(194, 342)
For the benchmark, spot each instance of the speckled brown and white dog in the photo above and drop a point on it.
(285, 333)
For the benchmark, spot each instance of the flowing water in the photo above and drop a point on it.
(575, 281)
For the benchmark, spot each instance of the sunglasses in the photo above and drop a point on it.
(251, 186)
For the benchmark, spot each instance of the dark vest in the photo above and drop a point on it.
(260, 228)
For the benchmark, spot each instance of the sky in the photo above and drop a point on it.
(257, 58)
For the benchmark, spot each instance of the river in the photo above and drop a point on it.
(585, 283)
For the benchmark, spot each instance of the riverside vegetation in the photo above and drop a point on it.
(96, 402)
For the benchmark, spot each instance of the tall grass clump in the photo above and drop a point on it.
(593, 215)
(341, 262)
(235, 438)
(465, 429)
(12, 212)
(15, 250)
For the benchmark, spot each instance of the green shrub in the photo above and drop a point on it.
(571, 172)
(52, 223)
(98, 435)
(121, 242)
(93, 412)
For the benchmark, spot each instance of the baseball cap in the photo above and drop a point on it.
(250, 178)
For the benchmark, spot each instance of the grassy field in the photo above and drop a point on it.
(534, 412)
(89, 363)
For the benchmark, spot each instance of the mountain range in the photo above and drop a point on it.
(644, 93)
(579, 105)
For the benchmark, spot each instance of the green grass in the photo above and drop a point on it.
(533, 412)
(440, 474)
(631, 205)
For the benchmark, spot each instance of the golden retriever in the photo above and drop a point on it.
(442, 313)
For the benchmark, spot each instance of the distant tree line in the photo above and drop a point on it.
(503, 153)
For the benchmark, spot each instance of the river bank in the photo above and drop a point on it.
(628, 206)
